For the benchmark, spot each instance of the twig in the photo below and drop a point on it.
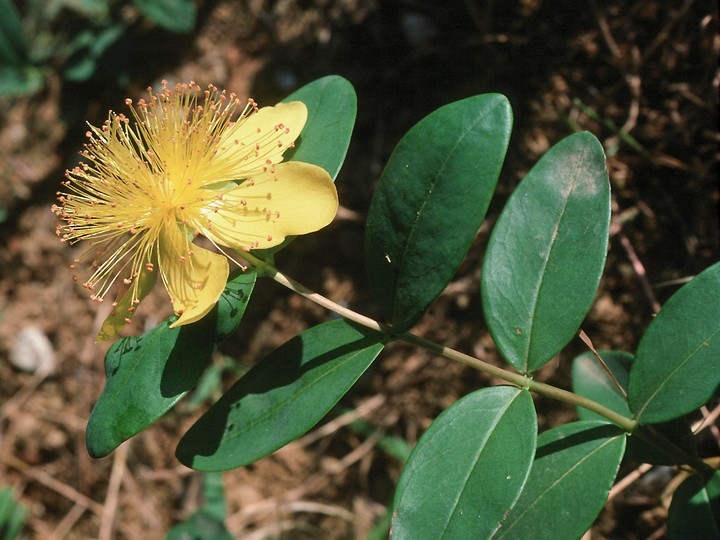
(628, 480)
(607, 33)
(68, 522)
(708, 421)
(275, 530)
(673, 18)
(356, 455)
(334, 425)
(630, 70)
(609, 373)
(21, 396)
(111, 500)
(640, 272)
(50, 482)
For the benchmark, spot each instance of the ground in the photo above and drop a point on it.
(644, 68)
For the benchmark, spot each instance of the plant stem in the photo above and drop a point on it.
(512, 377)
(523, 381)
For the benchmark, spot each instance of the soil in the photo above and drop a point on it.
(648, 68)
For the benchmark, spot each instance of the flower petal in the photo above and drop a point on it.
(194, 277)
(297, 198)
(259, 140)
(124, 307)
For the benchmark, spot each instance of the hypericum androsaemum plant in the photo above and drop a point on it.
(480, 470)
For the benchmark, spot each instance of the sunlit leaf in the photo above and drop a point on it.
(574, 468)
(431, 200)
(468, 468)
(547, 252)
(676, 365)
(280, 398)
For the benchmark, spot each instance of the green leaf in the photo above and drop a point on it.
(13, 49)
(20, 80)
(332, 107)
(641, 446)
(676, 366)
(208, 523)
(95, 10)
(694, 512)
(396, 447)
(173, 15)
(574, 468)
(589, 379)
(12, 515)
(547, 252)
(468, 468)
(209, 383)
(148, 374)
(281, 397)
(381, 528)
(431, 200)
(88, 50)
(214, 495)
(201, 526)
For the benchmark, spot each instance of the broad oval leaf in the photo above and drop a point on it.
(590, 380)
(695, 509)
(676, 365)
(332, 107)
(148, 374)
(573, 471)
(431, 200)
(468, 468)
(547, 252)
(281, 397)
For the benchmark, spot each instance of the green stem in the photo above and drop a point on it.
(512, 377)
(523, 381)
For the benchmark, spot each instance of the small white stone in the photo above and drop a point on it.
(32, 351)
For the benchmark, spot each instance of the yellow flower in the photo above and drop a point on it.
(188, 162)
